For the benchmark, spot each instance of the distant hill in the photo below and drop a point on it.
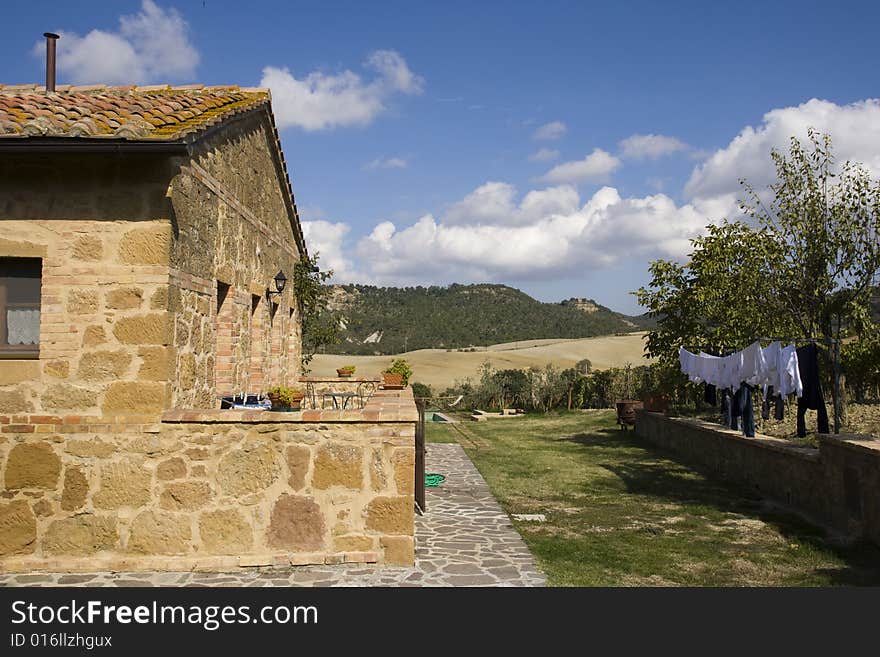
(389, 320)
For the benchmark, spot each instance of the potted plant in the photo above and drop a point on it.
(284, 398)
(345, 371)
(397, 375)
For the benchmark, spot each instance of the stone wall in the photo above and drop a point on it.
(132, 249)
(103, 323)
(213, 489)
(837, 485)
(232, 227)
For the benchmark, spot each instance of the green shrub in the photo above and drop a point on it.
(400, 366)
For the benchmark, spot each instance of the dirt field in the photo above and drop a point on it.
(440, 368)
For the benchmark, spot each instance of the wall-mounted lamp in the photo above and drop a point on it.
(280, 282)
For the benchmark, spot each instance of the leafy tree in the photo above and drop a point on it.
(805, 266)
(826, 227)
(319, 327)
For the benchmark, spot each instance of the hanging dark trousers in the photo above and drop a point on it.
(808, 366)
(709, 395)
(742, 407)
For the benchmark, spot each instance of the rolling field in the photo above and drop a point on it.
(440, 368)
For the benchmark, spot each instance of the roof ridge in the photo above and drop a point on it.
(129, 88)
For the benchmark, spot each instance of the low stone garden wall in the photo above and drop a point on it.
(213, 489)
(837, 485)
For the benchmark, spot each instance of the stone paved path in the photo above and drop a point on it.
(465, 539)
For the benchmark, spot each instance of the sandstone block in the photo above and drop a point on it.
(18, 528)
(14, 401)
(67, 397)
(187, 371)
(32, 465)
(90, 448)
(378, 479)
(159, 300)
(134, 397)
(156, 361)
(338, 465)
(60, 369)
(298, 458)
(82, 302)
(225, 532)
(125, 298)
(88, 247)
(391, 515)
(185, 495)
(94, 335)
(404, 470)
(399, 550)
(43, 508)
(174, 468)
(103, 365)
(159, 532)
(80, 535)
(248, 470)
(18, 371)
(152, 328)
(352, 543)
(296, 524)
(123, 483)
(146, 246)
(76, 488)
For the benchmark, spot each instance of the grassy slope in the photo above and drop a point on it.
(440, 368)
(622, 513)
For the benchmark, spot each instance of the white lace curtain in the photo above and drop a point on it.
(23, 326)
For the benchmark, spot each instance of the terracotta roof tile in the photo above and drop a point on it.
(155, 112)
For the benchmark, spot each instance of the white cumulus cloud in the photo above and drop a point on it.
(650, 147)
(326, 239)
(319, 101)
(548, 233)
(500, 233)
(854, 130)
(150, 46)
(596, 166)
(550, 131)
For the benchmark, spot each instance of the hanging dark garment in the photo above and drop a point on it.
(726, 407)
(808, 366)
(779, 411)
(742, 408)
(765, 404)
(709, 395)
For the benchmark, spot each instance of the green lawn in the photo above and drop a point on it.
(620, 512)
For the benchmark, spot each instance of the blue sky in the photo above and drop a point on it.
(554, 146)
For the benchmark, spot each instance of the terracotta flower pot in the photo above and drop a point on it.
(392, 379)
(344, 372)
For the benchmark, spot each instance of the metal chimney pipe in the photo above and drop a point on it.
(50, 60)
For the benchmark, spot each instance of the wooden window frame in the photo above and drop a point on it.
(23, 351)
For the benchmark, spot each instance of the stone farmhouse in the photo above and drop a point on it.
(141, 233)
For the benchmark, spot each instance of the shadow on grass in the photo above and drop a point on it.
(663, 475)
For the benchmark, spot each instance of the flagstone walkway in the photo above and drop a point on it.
(464, 539)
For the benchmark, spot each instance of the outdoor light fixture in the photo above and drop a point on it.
(280, 282)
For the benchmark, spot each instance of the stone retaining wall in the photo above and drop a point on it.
(208, 489)
(837, 485)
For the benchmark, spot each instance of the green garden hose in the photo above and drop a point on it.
(433, 479)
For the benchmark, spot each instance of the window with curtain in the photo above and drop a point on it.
(20, 307)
